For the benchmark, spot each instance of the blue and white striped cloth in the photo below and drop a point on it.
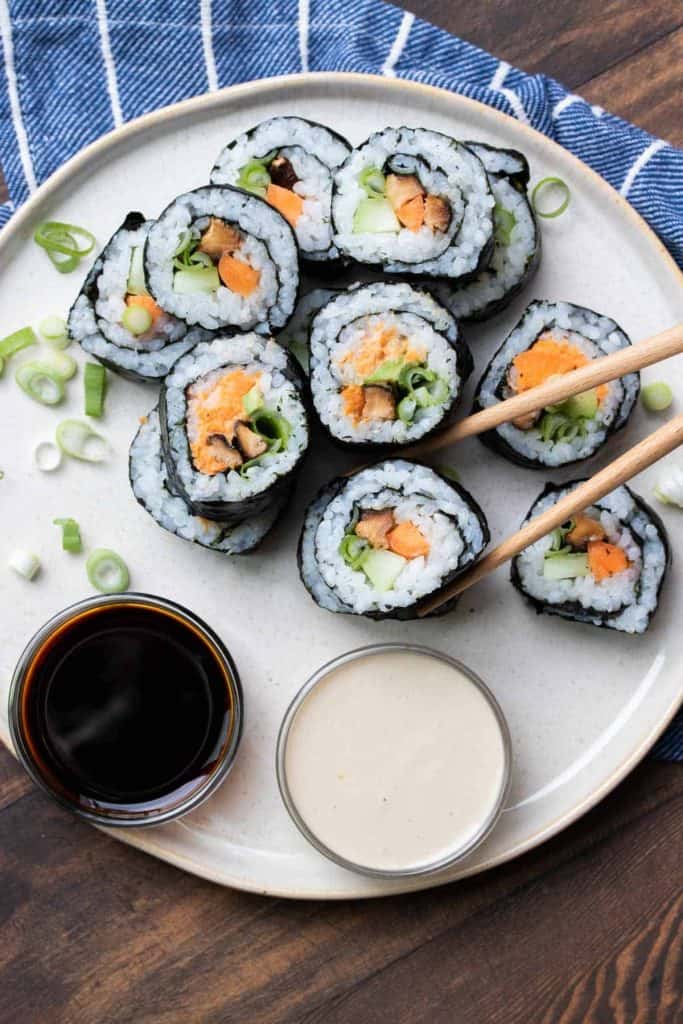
(74, 69)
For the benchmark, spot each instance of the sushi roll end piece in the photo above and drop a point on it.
(381, 541)
(553, 338)
(234, 427)
(387, 365)
(289, 162)
(606, 566)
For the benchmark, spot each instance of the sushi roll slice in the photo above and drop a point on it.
(517, 245)
(149, 481)
(296, 335)
(379, 542)
(554, 338)
(234, 428)
(289, 162)
(414, 201)
(606, 566)
(387, 365)
(116, 320)
(219, 257)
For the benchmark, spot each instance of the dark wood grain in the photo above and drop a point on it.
(587, 929)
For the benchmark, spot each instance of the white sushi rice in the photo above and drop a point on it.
(149, 481)
(253, 354)
(625, 601)
(593, 334)
(268, 245)
(340, 326)
(95, 317)
(448, 169)
(509, 263)
(414, 493)
(313, 151)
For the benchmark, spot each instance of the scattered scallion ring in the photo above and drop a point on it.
(71, 535)
(657, 397)
(78, 440)
(64, 366)
(25, 563)
(47, 456)
(55, 331)
(61, 243)
(41, 382)
(107, 571)
(2, 366)
(546, 183)
(16, 342)
(94, 384)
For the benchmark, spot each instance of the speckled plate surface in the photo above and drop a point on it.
(583, 704)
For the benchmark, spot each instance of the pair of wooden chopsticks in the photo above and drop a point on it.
(598, 371)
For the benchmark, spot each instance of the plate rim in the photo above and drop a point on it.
(207, 102)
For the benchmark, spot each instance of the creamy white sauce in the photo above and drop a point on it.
(395, 760)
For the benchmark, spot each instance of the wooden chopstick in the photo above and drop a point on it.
(597, 371)
(638, 458)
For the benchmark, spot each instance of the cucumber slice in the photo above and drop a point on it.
(196, 279)
(375, 216)
(136, 275)
(382, 568)
(566, 567)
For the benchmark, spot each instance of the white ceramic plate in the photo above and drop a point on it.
(583, 704)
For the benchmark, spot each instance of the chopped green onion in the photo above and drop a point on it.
(271, 426)
(80, 441)
(353, 549)
(253, 400)
(136, 274)
(406, 409)
(550, 184)
(505, 222)
(63, 365)
(17, 341)
(94, 384)
(55, 331)
(196, 279)
(107, 571)
(185, 238)
(41, 382)
(373, 182)
(25, 563)
(47, 456)
(61, 242)
(657, 397)
(71, 535)
(412, 376)
(566, 567)
(2, 366)
(254, 177)
(136, 319)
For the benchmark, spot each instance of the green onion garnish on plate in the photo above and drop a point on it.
(17, 341)
(552, 185)
(55, 331)
(41, 382)
(61, 242)
(71, 535)
(94, 384)
(107, 571)
(80, 441)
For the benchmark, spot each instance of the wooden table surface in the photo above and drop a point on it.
(588, 928)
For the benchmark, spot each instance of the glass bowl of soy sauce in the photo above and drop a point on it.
(127, 709)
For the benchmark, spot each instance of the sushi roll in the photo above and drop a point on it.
(234, 428)
(414, 202)
(517, 240)
(296, 335)
(387, 365)
(379, 542)
(606, 566)
(116, 320)
(219, 257)
(289, 162)
(554, 338)
(149, 482)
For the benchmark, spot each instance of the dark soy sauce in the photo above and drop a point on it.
(126, 705)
